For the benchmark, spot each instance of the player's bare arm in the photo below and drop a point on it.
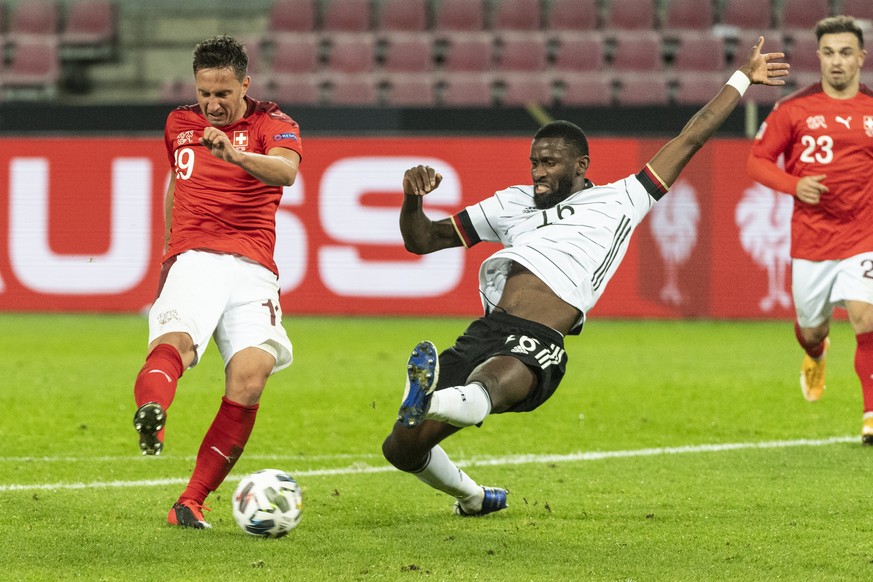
(422, 235)
(673, 157)
(168, 210)
(278, 167)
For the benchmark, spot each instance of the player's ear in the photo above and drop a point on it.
(246, 84)
(582, 165)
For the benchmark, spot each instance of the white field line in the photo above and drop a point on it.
(124, 458)
(362, 468)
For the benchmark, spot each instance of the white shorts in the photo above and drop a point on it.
(820, 286)
(229, 298)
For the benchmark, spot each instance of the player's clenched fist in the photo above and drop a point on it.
(218, 143)
(420, 180)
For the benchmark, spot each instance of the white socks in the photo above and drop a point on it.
(460, 406)
(442, 474)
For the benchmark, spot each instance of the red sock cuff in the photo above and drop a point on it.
(242, 408)
(865, 339)
(159, 387)
(170, 355)
(814, 350)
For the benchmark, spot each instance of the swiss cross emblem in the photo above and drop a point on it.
(868, 125)
(240, 140)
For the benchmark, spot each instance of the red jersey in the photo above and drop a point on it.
(822, 135)
(219, 206)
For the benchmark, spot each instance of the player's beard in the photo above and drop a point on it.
(839, 83)
(563, 191)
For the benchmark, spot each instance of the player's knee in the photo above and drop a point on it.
(245, 389)
(390, 452)
(507, 381)
(399, 457)
(179, 340)
(860, 316)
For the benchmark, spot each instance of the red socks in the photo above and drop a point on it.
(221, 448)
(157, 380)
(814, 351)
(864, 367)
(863, 362)
(224, 441)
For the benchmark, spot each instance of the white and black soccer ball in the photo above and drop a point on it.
(268, 503)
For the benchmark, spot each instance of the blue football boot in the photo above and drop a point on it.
(422, 373)
(495, 500)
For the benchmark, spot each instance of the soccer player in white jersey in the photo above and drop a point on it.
(563, 240)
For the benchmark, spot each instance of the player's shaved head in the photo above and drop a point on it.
(569, 132)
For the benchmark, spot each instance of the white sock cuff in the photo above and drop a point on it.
(460, 406)
(485, 392)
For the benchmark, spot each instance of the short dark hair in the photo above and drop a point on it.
(838, 24)
(569, 132)
(222, 52)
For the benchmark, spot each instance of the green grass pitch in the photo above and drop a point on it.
(672, 451)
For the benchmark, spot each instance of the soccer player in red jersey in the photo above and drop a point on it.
(230, 156)
(825, 133)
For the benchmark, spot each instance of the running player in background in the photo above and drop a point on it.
(230, 156)
(825, 133)
(564, 239)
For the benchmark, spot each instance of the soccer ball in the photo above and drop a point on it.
(268, 503)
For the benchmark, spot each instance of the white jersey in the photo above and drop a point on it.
(574, 247)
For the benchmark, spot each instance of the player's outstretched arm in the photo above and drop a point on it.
(760, 68)
(422, 235)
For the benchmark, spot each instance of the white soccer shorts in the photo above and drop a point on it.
(229, 298)
(820, 286)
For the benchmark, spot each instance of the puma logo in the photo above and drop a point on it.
(161, 372)
(844, 121)
(229, 459)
